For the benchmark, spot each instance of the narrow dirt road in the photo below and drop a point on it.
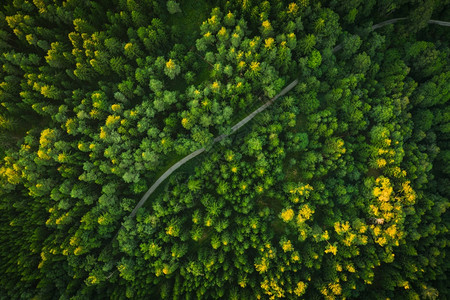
(217, 139)
(248, 118)
(243, 122)
(392, 21)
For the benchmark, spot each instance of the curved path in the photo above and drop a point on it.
(201, 150)
(442, 23)
(247, 119)
(392, 21)
(217, 139)
(243, 122)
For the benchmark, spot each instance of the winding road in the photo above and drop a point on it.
(217, 139)
(392, 21)
(247, 119)
(242, 123)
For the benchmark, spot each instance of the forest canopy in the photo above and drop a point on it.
(238, 149)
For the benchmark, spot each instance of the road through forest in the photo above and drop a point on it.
(392, 21)
(247, 119)
(217, 139)
(243, 122)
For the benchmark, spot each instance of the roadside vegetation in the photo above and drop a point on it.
(338, 189)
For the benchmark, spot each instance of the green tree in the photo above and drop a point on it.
(173, 7)
(171, 69)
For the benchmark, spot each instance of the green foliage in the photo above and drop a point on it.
(173, 7)
(314, 60)
(337, 189)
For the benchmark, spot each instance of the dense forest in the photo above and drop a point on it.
(337, 188)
